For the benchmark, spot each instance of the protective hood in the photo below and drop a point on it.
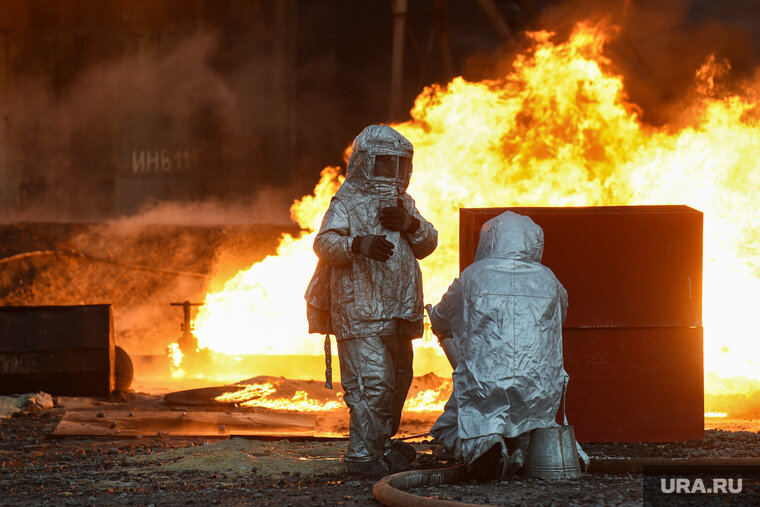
(511, 236)
(378, 141)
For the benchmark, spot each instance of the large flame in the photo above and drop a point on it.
(556, 131)
(261, 309)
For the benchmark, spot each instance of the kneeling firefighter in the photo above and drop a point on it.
(504, 315)
(367, 291)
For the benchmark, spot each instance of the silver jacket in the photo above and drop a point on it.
(363, 297)
(505, 313)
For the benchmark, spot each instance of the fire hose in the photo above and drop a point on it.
(79, 255)
(390, 489)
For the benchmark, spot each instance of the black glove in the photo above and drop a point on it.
(375, 247)
(396, 218)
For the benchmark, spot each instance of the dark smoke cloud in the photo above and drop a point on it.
(67, 153)
(201, 89)
(160, 123)
(657, 46)
(660, 45)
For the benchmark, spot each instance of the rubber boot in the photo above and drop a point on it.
(396, 461)
(373, 468)
(489, 466)
(404, 449)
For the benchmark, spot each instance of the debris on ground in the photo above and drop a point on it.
(39, 468)
(10, 405)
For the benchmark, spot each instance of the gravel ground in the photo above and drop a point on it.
(39, 470)
(591, 489)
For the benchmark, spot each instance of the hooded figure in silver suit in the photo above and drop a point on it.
(367, 291)
(504, 314)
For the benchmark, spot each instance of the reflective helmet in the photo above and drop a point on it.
(381, 160)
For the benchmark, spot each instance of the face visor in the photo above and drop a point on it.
(392, 168)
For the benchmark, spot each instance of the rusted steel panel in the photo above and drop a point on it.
(67, 350)
(622, 266)
(633, 335)
(635, 384)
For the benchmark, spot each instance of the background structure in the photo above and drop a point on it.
(109, 107)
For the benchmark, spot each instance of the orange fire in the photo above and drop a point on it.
(259, 395)
(265, 396)
(556, 131)
(430, 400)
(175, 357)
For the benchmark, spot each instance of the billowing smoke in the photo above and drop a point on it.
(657, 46)
(164, 147)
(198, 107)
(160, 123)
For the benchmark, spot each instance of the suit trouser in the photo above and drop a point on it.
(446, 432)
(375, 373)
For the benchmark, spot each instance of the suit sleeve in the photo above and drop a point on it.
(333, 242)
(563, 301)
(445, 311)
(425, 239)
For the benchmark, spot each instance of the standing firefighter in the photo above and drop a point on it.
(505, 315)
(367, 291)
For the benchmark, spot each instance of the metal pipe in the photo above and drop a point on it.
(496, 19)
(442, 9)
(399, 8)
(636, 465)
(72, 253)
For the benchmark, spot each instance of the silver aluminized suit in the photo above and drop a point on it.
(505, 313)
(373, 308)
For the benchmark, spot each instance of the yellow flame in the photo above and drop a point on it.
(261, 395)
(258, 395)
(556, 131)
(248, 392)
(175, 360)
(261, 310)
(715, 414)
(430, 400)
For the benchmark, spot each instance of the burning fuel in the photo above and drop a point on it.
(430, 400)
(267, 395)
(175, 357)
(556, 131)
(260, 395)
